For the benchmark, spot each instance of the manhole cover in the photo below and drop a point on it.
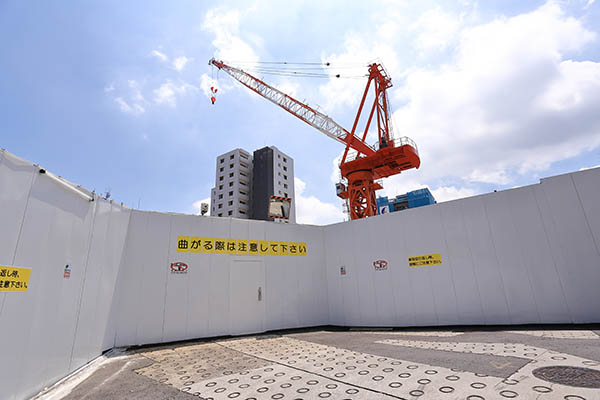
(571, 376)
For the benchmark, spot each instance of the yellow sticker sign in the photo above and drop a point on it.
(274, 246)
(230, 243)
(263, 247)
(424, 260)
(284, 248)
(196, 244)
(242, 246)
(302, 248)
(183, 244)
(208, 245)
(13, 279)
(220, 246)
(253, 247)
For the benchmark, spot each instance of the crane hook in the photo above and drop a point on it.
(214, 91)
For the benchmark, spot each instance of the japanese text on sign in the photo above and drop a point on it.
(426, 259)
(194, 244)
(13, 279)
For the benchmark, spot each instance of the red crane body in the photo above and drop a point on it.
(389, 157)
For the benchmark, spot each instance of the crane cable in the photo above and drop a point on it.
(306, 70)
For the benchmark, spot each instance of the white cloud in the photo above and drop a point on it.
(311, 210)
(159, 55)
(435, 30)
(339, 92)
(134, 109)
(109, 88)
(507, 104)
(168, 91)
(225, 25)
(198, 204)
(180, 62)
(447, 193)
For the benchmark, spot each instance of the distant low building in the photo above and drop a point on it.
(416, 198)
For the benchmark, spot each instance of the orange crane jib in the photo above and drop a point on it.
(366, 163)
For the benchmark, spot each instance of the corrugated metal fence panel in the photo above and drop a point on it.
(55, 233)
(16, 178)
(573, 246)
(114, 255)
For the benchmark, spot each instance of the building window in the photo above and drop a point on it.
(231, 175)
(242, 212)
(284, 168)
(220, 214)
(230, 203)
(230, 212)
(285, 194)
(231, 156)
(222, 160)
(284, 159)
(221, 178)
(285, 186)
(221, 169)
(280, 192)
(230, 166)
(220, 205)
(244, 193)
(244, 155)
(285, 177)
(279, 173)
(220, 187)
(279, 183)
(278, 155)
(220, 196)
(231, 193)
(230, 184)
(242, 202)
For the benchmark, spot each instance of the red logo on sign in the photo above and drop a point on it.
(380, 265)
(179, 267)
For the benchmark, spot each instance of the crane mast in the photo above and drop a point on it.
(391, 156)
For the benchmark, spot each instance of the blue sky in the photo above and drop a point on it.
(112, 95)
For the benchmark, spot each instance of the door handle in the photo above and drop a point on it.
(259, 293)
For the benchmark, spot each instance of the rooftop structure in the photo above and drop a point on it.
(415, 198)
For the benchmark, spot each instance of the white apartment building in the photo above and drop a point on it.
(244, 183)
(231, 196)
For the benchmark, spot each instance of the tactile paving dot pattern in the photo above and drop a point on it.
(277, 382)
(522, 384)
(287, 368)
(401, 379)
(186, 365)
(418, 333)
(559, 334)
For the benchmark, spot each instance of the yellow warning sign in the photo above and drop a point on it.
(196, 244)
(424, 260)
(13, 279)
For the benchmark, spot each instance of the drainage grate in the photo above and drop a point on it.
(570, 376)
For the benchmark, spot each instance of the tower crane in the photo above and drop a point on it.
(365, 164)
